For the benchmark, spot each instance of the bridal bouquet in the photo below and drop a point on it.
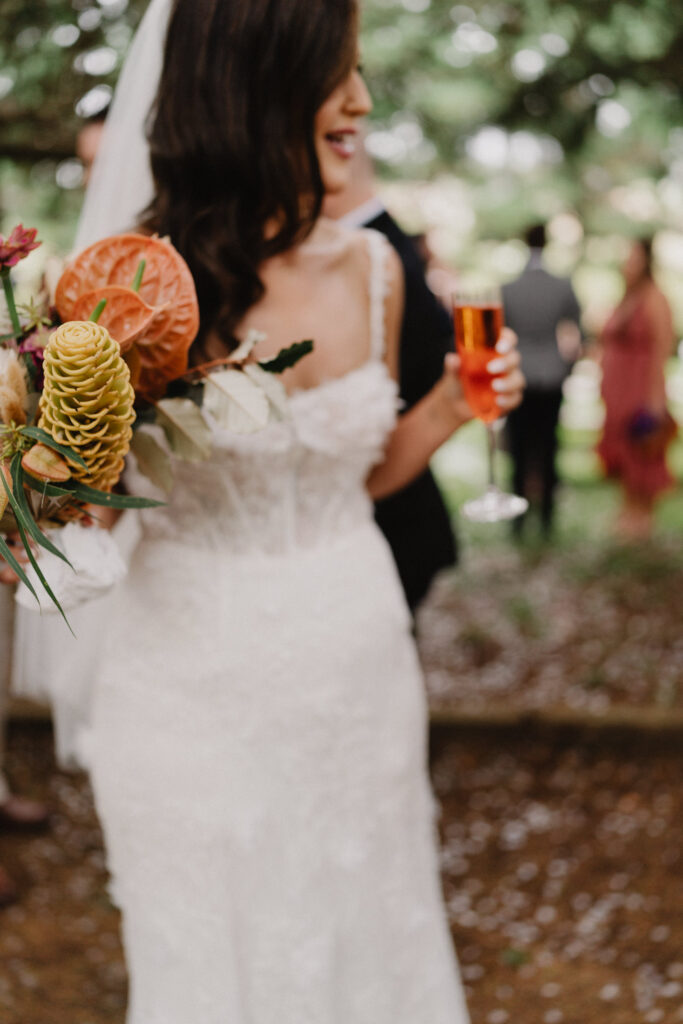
(76, 379)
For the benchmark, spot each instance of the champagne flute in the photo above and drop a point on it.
(478, 321)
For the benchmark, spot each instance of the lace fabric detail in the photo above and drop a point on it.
(296, 484)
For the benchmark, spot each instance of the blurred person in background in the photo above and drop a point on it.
(88, 142)
(545, 313)
(636, 342)
(415, 521)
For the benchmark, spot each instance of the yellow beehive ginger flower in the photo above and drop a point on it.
(87, 400)
(13, 391)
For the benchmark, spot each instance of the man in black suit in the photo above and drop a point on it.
(543, 310)
(415, 521)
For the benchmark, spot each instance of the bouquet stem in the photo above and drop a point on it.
(9, 299)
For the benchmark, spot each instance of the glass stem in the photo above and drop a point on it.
(492, 445)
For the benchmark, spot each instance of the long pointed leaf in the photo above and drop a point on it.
(49, 490)
(38, 571)
(38, 434)
(8, 555)
(23, 507)
(81, 492)
(287, 357)
(94, 497)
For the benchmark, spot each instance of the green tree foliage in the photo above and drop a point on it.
(580, 97)
(524, 99)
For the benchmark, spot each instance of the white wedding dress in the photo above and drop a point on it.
(258, 749)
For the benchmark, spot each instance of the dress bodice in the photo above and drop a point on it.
(628, 332)
(300, 481)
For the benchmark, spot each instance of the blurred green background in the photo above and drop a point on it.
(487, 116)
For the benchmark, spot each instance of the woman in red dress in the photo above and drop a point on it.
(637, 340)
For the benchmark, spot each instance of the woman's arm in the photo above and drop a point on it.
(431, 421)
(661, 325)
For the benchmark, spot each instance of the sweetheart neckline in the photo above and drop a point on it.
(298, 392)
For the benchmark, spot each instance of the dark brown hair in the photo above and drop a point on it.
(232, 141)
(535, 236)
(645, 244)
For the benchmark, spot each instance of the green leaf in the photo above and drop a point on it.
(38, 571)
(7, 554)
(49, 490)
(38, 434)
(21, 508)
(98, 311)
(81, 492)
(287, 357)
(94, 497)
(185, 428)
(139, 273)
(153, 461)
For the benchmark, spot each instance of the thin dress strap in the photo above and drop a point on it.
(378, 250)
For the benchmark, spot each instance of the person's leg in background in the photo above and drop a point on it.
(517, 427)
(549, 415)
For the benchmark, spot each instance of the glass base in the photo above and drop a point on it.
(494, 506)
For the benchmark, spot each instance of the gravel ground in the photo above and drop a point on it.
(591, 631)
(562, 873)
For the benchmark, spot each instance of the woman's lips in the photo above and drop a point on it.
(343, 143)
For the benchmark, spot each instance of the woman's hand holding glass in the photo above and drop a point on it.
(507, 380)
(492, 383)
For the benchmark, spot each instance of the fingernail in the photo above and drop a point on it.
(496, 366)
(498, 384)
(504, 345)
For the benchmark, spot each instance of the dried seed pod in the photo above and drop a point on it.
(87, 401)
(45, 464)
(13, 392)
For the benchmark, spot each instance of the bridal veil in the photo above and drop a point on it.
(121, 184)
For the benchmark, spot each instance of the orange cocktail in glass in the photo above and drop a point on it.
(477, 329)
(478, 322)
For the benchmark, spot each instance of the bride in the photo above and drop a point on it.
(258, 745)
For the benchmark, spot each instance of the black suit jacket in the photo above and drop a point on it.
(415, 520)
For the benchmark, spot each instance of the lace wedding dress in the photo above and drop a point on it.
(258, 744)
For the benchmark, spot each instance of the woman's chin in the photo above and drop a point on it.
(336, 181)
